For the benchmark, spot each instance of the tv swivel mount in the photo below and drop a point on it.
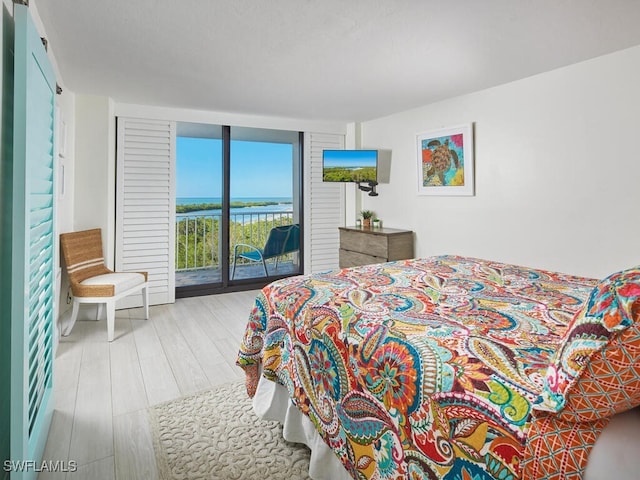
(371, 188)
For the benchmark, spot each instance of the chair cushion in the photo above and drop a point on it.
(122, 281)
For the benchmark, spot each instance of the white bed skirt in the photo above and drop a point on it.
(616, 453)
(271, 402)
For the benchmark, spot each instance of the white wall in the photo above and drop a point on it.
(94, 172)
(66, 138)
(557, 171)
(224, 118)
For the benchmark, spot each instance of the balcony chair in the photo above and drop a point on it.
(92, 282)
(281, 240)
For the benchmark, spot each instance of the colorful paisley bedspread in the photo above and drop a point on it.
(423, 368)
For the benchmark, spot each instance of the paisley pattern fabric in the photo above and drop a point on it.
(425, 369)
(596, 371)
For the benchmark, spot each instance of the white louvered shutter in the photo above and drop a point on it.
(325, 205)
(145, 205)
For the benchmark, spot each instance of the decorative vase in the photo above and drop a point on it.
(366, 223)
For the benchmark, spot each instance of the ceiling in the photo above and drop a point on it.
(333, 60)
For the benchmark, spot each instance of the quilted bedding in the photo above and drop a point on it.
(425, 368)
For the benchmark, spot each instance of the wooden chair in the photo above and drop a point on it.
(92, 282)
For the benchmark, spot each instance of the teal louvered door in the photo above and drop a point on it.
(33, 242)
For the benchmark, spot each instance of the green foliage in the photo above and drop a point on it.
(367, 213)
(198, 238)
(198, 207)
(341, 174)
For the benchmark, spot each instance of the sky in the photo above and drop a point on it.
(258, 169)
(350, 158)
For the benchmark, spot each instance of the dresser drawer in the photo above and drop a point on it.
(375, 245)
(353, 259)
(361, 246)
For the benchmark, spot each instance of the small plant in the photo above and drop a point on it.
(367, 215)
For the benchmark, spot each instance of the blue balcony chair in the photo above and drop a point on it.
(281, 241)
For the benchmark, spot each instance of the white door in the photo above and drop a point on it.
(325, 207)
(145, 205)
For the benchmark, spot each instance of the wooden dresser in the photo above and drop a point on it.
(364, 246)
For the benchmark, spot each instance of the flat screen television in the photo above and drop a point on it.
(359, 166)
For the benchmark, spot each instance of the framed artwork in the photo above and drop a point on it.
(445, 161)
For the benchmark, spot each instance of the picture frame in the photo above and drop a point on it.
(445, 161)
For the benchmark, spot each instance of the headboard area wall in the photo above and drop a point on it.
(556, 170)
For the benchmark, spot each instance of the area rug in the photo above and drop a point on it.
(216, 435)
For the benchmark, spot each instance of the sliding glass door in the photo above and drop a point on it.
(238, 207)
(264, 232)
(199, 195)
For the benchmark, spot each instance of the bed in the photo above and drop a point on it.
(450, 367)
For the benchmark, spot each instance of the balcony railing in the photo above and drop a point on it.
(198, 242)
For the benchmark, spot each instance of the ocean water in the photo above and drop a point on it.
(189, 200)
(284, 205)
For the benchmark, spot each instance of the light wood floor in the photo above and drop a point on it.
(102, 390)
